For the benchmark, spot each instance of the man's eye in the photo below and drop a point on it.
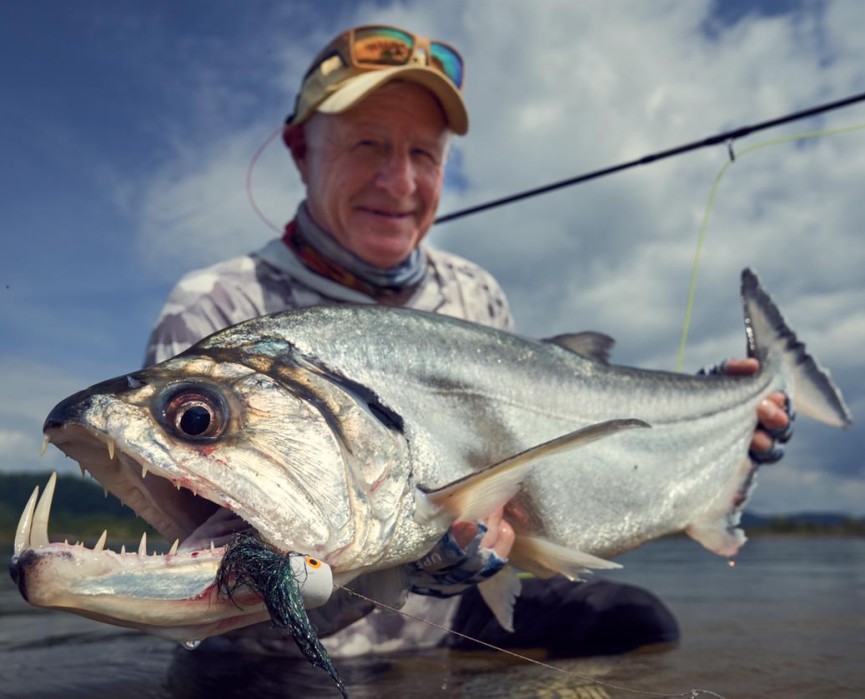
(425, 154)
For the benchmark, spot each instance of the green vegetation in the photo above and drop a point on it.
(808, 524)
(80, 510)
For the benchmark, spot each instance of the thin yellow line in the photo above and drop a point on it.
(701, 235)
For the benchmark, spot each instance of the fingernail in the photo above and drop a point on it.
(770, 407)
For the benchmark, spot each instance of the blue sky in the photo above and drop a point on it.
(127, 128)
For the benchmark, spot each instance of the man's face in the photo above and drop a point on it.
(374, 173)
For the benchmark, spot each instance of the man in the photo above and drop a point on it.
(369, 136)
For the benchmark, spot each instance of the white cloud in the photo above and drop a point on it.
(13, 443)
(557, 88)
(196, 207)
(30, 389)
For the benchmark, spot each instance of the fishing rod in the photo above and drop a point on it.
(726, 137)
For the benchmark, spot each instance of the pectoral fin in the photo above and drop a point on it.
(477, 495)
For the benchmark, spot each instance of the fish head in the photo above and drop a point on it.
(203, 447)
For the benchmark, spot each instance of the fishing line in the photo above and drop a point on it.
(576, 675)
(701, 235)
(725, 137)
(249, 195)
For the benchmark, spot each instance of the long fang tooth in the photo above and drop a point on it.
(45, 443)
(174, 546)
(123, 549)
(39, 531)
(22, 533)
(142, 547)
(110, 443)
(100, 545)
(212, 547)
(83, 471)
(143, 471)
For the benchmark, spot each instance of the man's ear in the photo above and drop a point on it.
(294, 139)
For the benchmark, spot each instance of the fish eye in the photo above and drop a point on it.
(193, 412)
(194, 419)
(313, 563)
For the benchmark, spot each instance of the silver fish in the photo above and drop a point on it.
(358, 435)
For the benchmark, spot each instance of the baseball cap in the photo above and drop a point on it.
(360, 60)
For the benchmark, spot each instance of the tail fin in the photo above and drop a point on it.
(771, 340)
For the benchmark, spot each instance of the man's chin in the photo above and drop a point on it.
(385, 249)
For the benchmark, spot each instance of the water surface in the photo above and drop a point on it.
(788, 620)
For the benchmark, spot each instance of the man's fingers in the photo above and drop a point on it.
(741, 367)
(761, 442)
(499, 535)
(771, 413)
(778, 399)
(492, 522)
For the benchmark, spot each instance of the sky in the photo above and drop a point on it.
(127, 128)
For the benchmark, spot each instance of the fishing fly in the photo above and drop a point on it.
(288, 584)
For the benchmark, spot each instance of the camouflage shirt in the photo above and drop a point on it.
(273, 279)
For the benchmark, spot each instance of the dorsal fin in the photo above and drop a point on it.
(589, 344)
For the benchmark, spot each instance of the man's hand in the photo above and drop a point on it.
(499, 536)
(774, 416)
(468, 554)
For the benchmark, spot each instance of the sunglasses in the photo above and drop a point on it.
(377, 46)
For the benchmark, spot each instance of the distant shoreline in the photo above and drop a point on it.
(80, 511)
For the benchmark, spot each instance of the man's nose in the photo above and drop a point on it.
(397, 175)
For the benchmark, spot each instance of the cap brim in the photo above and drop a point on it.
(355, 88)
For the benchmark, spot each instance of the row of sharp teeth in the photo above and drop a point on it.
(46, 440)
(110, 443)
(32, 530)
(112, 446)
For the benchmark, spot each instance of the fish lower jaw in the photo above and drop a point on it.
(56, 574)
(173, 596)
(170, 594)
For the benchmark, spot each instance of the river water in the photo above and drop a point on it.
(788, 620)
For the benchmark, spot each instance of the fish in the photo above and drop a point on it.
(358, 435)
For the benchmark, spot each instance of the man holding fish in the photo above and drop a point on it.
(370, 135)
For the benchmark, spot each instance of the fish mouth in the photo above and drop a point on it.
(172, 594)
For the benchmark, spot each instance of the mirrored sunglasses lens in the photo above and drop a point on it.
(448, 62)
(382, 46)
